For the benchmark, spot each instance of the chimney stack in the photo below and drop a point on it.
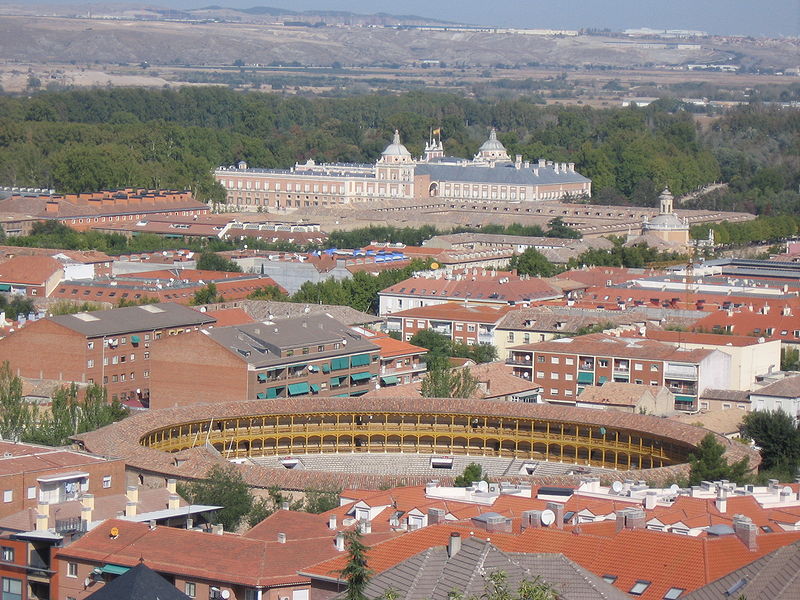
(130, 509)
(531, 518)
(558, 509)
(454, 545)
(42, 522)
(281, 538)
(650, 499)
(43, 508)
(436, 515)
(722, 500)
(217, 529)
(87, 500)
(365, 526)
(745, 530)
(172, 486)
(332, 522)
(174, 502)
(133, 493)
(86, 516)
(339, 541)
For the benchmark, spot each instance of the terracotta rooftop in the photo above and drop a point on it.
(613, 393)
(722, 421)
(788, 387)
(452, 311)
(597, 344)
(691, 337)
(392, 348)
(29, 270)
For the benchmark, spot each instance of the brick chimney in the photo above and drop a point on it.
(745, 530)
(436, 515)
(454, 544)
(558, 509)
(531, 518)
(635, 519)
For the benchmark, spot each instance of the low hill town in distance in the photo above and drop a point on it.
(390, 307)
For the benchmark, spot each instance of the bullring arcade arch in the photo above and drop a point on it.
(356, 431)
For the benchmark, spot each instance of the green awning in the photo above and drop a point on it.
(684, 398)
(390, 379)
(135, 339)
(326, 368)
(602, 380)
(295, 389)
(315, 388)
(298, 367)
(342, 396)
(114, 569)
(5, 287)
(360, 360)
(361, 393)
(337, 364)
(586, 378)
(361, 376)
(262, 377)
(335, 381)
(274, 391)
(261, 395)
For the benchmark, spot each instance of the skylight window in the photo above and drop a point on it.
(673, 593)
(609, 578)
(639, 588)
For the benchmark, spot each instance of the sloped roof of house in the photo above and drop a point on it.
(140, 583)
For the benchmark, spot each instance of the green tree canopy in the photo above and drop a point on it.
(472, 472)
(211, 261)
(222, 486)
(778, 437)
(708, 463)
(356, 572)
(534, 263)
(443, 382)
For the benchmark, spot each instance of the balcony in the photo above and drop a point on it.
(519, 361)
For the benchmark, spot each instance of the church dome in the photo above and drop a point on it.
(492, 144)
(396, 149)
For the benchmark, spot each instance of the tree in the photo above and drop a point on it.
(790, 359)
(207, 295)
(268, 292)
(708, 463)
(444, 382)
(211, 261)
(16, 416)
(222, 486)
(532, 262)
(356, 572)
(778, 437)
(559, 230)
(472, 472)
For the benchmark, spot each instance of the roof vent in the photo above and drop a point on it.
(152, 308)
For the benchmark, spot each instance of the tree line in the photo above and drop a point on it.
(84, 140)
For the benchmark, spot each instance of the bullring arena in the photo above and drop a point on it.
(303, 443)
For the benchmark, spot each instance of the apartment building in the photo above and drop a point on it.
(110, 348)
(470, 287)
(400, 362)
(565, 367)
(34, 276)
(464, 324)
(310, 355)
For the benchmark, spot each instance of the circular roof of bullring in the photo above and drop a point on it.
(123, 439)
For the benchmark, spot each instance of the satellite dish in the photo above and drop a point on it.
(674, 488)
(483, 486)
(114, 532)
(548, 517)
(617, 487)
(787, 491)
(225, 594)
(87, 582)
(434, 266)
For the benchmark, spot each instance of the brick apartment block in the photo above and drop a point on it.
(564, 367)
(110, 348)
(310, 355)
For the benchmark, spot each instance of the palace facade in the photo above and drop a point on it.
(397, 176)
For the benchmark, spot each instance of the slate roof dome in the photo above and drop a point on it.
(396, 148)
(492, 144)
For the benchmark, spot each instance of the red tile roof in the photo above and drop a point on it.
(230, 316)
(28, 270)
(452, 311)
(391, 348)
